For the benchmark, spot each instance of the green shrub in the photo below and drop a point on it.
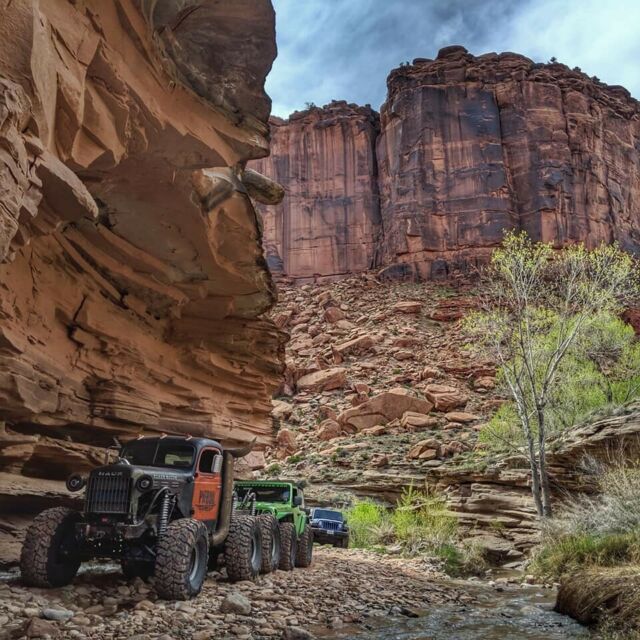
(579, 551)
(422, 521)
(365, 518)
(601, 371)
(601, 530)
(420, 524)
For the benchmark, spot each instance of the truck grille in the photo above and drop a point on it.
(108, 493)
(330, 524)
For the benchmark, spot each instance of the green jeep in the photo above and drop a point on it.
(287, 539)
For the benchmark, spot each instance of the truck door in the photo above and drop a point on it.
(207, 487)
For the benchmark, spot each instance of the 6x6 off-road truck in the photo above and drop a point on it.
(162, 509)
(279, 506)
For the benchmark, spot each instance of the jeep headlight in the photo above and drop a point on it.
(75, 482)
(144, 483)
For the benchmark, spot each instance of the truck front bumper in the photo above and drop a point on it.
(328, 536)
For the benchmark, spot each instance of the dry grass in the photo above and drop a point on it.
(608, 597)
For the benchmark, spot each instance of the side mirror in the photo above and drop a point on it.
(216, 465)
(297, 501)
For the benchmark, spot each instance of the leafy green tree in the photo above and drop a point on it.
(539, 306)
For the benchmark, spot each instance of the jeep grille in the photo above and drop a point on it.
(330, 524)
(108, 493)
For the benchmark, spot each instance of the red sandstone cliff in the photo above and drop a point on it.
(468, 146)
(132, 279)
(328, 221)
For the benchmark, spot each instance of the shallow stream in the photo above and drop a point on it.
(515, 613)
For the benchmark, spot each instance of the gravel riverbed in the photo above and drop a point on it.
(343, 588)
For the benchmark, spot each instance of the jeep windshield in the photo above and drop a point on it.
(325, 514)
(267, 494)
(159, 453)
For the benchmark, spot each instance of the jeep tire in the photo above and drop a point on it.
(181, 560)
(270, 530)
(288, 546)
(48, 557)
(243, 548)
(304, 553)
(136, 569)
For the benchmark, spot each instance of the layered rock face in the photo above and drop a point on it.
(328, 222)
(471, 146)
(468, 147)
(132, 279)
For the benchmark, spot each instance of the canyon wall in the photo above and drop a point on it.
(328, 221)
(468, 147)
(132, 278)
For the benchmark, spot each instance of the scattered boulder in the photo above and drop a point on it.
(408, 306)
(406, 341)
(378, 430)
(281, 410)
(379, 460)
(404, 354)
(286, 441)
(235, 602)
(444, 397)
(428, 373)
(460, 416)
(355, 346)
(297, 633)
(383, 408)
(329, 429)
(59, 615)
(323, 380)
(411, 420)
(38, 628)
(484, 382)
(424, 450)
(334, 314)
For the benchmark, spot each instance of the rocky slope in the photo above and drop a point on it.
(467, 147)
(381, 394)
(132, 278)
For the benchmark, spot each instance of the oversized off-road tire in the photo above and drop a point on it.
(49, 554)
(243, 549)
(270, 531)
(288, 546)
(304, 553)
(136, 569)
(181, 560)
(342, 544)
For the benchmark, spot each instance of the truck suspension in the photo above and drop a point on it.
(166, 506)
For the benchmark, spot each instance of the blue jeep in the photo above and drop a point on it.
(329, 527)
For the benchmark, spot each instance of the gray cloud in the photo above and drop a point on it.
(344, 49)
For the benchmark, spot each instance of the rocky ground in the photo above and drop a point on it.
(342, 587)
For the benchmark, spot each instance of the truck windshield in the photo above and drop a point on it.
(159, 453)
(325, 514)
(267, 494)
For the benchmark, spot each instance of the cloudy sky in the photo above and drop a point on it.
(344, 49)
